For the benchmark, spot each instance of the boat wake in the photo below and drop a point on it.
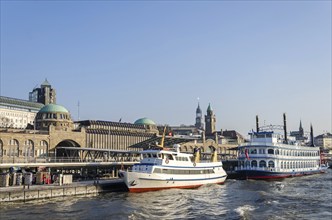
(244, 211)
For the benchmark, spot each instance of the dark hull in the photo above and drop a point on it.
(265, 175)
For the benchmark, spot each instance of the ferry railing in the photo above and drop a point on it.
(23, 160)
(257, 168)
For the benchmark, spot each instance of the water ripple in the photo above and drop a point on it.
(307, 197)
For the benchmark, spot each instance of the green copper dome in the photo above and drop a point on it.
(144, 121)
(53, 108)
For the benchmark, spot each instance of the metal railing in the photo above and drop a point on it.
(18, 160)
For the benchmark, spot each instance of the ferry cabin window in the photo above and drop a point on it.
(181, 158)
(271, 164)
(181, 172)
(262, 163)
(254, 163)
(261, 151)
(270, 151)
(253, 151)
(169, 156)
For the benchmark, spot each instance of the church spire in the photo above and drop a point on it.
(301, 132)
(199, 118)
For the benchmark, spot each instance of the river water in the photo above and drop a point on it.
(308, 197)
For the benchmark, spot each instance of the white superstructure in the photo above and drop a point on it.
(169, 168)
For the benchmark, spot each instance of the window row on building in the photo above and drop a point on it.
(27, 149)
(296, 153)
(283, 164)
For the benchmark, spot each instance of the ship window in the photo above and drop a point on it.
(261, 151)
(157, 170)
(253, 151)
(254, 163)
(270, 151)
(262, 163)
(169, 156)
(271, 163)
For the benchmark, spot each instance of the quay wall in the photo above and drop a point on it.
(16, 194)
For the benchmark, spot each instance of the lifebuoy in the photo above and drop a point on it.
(166, 161)
(194, 164)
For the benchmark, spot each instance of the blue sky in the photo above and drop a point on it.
(136, 59)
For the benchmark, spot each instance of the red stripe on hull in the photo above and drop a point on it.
(138, 190)
(280, 176)
(268, 177)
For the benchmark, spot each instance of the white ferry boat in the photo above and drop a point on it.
(169, 168)
(270, 155)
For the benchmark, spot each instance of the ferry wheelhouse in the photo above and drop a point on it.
(270, 155)
(169, 168)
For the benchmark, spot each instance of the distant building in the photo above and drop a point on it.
(232, 137)
(45, 94)
(199, 118)
(210, 122)
(187, 130)
(324, 141)
(299, 135)
(17, 113)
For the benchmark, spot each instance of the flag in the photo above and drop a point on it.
(247, 154)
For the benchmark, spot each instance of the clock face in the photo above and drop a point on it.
(199, 114)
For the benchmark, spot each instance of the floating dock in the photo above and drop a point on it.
(34, 192)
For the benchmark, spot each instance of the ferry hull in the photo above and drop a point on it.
(138, 190)
(138, 182)
(266, 175)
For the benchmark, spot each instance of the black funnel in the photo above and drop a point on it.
(285, 130)
(312, 136)
(257, 124)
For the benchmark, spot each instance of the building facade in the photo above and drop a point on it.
(55, 131)
(324, 141)
(17, 113)
(45, 94)
(199, 118)
(210, 122)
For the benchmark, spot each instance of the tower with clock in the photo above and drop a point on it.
(210, 122)
(199, 118)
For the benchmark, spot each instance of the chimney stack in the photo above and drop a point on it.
(257, 124)
(285, 130)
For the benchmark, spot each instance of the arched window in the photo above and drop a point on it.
(254, 163)
(262, 163)
(271, 164)
(28, 149)
(14, 148)
(43, 149)
(1, 148)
